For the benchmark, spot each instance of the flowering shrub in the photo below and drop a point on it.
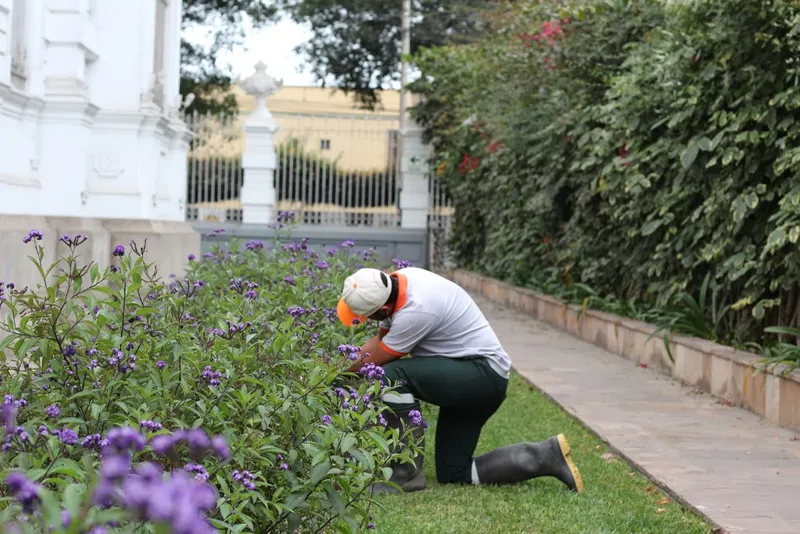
(637, 139)
(212, 401)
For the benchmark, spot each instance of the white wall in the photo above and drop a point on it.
(87, 132)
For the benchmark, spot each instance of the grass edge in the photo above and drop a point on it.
(716, 527)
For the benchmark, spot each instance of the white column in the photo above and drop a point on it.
(415, 193)
(5, 41)
(259, 160)
(68, 115)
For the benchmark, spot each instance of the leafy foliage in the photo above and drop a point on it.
(245, 348)
(224, 22)
(356, 44)
(634, 146)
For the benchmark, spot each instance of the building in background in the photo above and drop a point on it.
(89, 109)
(336, 163)
(328, 121)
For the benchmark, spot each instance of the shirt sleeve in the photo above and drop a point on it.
(385, 326)
(407, 331)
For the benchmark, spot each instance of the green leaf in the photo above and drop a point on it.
(293, 522)
(689, 155)
(347, 443)
(717, 139)
(336, 500)
(704, 144)
(73, 496)
(295, 499)
(651, 226)
(318, 472)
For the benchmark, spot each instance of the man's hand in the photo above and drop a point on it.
(373, 352)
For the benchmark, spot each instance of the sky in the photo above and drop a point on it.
(274, 45)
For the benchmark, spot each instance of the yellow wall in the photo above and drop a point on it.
(358, 138)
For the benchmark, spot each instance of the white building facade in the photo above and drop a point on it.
(89, 109)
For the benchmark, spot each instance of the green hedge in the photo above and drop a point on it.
(636, 147)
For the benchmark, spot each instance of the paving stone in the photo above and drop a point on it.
(730, 464)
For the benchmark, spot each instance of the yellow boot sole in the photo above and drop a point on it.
(567, 452)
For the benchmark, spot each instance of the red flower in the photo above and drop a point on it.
(545, 240)
(495, 146)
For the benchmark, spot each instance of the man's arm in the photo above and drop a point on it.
(377, 354)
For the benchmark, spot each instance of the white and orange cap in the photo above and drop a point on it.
(364, 293)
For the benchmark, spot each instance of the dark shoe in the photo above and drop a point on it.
(409, 476)
(524, 461)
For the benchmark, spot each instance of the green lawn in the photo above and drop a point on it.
(616, 499)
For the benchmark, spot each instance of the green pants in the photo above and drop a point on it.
(466, 390)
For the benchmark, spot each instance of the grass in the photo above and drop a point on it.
(617, 499)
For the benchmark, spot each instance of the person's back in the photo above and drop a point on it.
(457, 364)
(455, 326)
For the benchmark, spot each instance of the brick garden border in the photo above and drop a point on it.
(720, 370)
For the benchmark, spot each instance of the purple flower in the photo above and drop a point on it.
(371, 525)
(150, 425)
(67, 436)
(212, 378)
(327, 420)
(351, 351)
(53, 411)
(25, 491)
(66, 519)
(191, 257)
(284, 466)
(381, 419)
(68, 350)
(298, 312)
(9, 416)
(372, 371)
(220, 447)
(161, 364)
(200, 472)
(43, 430)
(290, 280)
(254, 245)
(33, 235)
(402, 264)
(331, 252)
(252, 295)
(125, 438)
(246, 479)
(92, 441)
(322, 265)
(115, 466)
(348, 244)
(119, 250)
(416, 417)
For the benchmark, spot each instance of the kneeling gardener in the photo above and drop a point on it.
(456, 363)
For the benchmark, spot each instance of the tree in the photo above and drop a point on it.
(225, 20)
(356, 43)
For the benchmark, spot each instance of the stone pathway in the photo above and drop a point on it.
(741, 472)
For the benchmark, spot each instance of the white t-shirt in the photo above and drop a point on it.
(436, 317)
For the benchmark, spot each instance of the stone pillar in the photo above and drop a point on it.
(259, 161)
(415, 192)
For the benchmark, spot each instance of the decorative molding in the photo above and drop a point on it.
(20, 181)
(121, 191)
(108, 165)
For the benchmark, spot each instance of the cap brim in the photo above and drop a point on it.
(347, 316)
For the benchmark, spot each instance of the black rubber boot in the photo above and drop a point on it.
(524, 461)
(409, 476)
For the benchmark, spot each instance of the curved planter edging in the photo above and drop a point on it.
(720, 370)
